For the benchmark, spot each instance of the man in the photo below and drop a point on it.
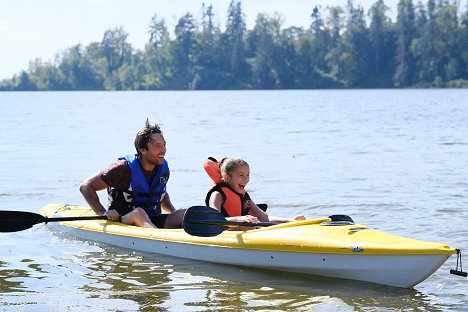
(136, 185)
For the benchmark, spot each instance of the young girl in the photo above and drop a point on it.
(229, 195)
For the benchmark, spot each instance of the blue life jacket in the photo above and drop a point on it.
(140, 193)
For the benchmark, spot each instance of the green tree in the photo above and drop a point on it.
(382, 39)
(448, 48)
(464, 43)
(46, 76)
(208, 74)
(335, 23)
(115, 48)
(232, 51)
(157, 59)
(405, 30)
(263, 43)
(77, 70)
(354, 60)
(96, 61)
(183, 50)
(286, 58)
(423, 47)
(321, 41)
(22, 82)
(313, 47)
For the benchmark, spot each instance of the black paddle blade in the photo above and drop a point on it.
(204, 221)
(341, 220)
(14, 221)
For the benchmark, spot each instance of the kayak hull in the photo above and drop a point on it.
(267, 248)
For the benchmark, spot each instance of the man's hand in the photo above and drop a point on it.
(112, 215)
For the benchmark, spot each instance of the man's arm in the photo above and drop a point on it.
(166, 204)
(89, 189)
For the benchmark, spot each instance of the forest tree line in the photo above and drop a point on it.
(426, 46)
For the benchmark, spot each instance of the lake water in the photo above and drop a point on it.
(395, 160)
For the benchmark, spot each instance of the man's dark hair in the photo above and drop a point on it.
(144, 135)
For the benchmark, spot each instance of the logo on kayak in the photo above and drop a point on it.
(357, 249)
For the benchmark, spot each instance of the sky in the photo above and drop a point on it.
(31, 29)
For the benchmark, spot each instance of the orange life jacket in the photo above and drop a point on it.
(233, 202)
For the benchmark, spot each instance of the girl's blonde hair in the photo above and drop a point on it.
(228, 164)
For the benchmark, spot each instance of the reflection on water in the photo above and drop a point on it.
(127, 277)
(9, 278)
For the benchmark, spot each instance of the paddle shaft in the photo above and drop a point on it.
(233, 223)
(75, 218)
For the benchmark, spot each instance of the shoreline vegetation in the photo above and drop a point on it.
(425, 47)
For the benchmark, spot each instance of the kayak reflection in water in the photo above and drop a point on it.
(136, 185)
(229, 196)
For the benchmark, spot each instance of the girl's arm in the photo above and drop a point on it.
(263, 217)
(216, 202)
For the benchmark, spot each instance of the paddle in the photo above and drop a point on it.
(205, 221)
(262, 206)
(14, 221)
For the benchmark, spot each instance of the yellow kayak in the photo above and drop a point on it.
(315, 246)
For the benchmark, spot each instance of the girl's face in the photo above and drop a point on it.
(238, 178)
